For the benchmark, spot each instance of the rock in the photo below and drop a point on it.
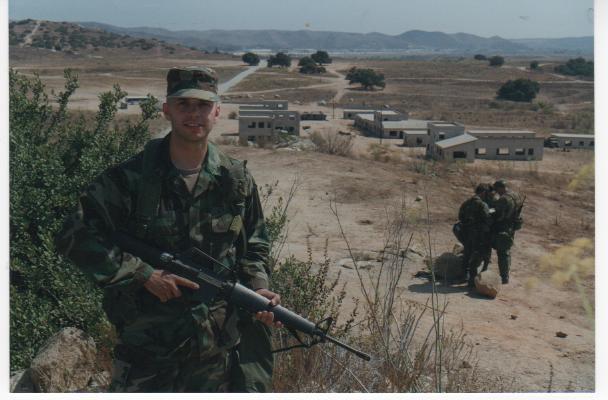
(21, 382)
(346, 263)
(418, 198)
(248, 95)
(513, 316)
(100, 382)
(561, 334)
(322, 103)
(365, 222)
(488, 283)
(65, 363)
(277, 96)
(448, 266)
(458, 248)
(466, 364)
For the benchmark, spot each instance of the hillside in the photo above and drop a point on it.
(73, 38)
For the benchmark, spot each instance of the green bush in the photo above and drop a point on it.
(518, 90)
(53, 155)
(576, 66)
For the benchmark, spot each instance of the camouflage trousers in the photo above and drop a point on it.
(502, 242)
(475, 251)
(188, 375)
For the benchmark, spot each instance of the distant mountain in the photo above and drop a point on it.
(570, 45)
(64, 35)
(239, 40)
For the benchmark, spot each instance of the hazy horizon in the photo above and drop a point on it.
(516, 19)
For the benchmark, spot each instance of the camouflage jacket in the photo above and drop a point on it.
(221, 216)
(506, 209)
(474, 214)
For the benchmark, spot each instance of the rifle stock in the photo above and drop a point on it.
(233, 292)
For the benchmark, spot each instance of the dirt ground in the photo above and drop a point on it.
(514, 335)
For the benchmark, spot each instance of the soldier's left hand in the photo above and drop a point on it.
(267, 317)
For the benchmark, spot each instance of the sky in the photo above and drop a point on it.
(512, 19)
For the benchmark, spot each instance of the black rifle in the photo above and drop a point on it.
(233, 292)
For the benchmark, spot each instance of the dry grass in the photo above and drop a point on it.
(275, 78)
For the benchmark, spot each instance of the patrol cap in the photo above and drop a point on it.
(501, 183)
(193, 82)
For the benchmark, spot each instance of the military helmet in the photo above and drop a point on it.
(501, 183)
(482, 188)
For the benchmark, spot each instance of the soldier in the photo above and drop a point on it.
(181, 191)
(506, 221)
(487, 244)
(474, 214)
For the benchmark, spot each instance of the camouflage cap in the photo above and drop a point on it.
(501, 183)
(194, 82)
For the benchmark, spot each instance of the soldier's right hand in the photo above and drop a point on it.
(164, 285)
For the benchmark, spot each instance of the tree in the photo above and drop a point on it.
(281, 59)
(496, 61)
(367, 77)
(321, 57)
(53, 156)
(480, 57)
(251, 58)
(534, 65)
(518, 90)
(309, 66)
(576, 66)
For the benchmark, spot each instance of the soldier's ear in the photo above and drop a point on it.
(166, 113)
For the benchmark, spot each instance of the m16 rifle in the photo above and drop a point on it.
(233, 292)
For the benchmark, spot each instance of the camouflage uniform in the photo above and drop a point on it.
(503, 230)
(187, 343)
(474, 214)
(487, 244)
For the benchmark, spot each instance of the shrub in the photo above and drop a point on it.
(518, 90)
(280, 59)
(480, 57)
(496, 61)
(333, 143)
(309, 66)
(53, 155)
(534, 65)
(321, 57)
(576, 66)
(251, 58)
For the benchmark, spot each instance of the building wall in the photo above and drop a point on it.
(350, 114)
(416, 139)
(438, 132)
(505, 148)
(254, 127)
(574, 142)
(465, 152)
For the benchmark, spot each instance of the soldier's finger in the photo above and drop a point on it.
(174, 290)
(185, 282)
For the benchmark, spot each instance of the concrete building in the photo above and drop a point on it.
(571, 141)
(461, 147)
(506, 144)
(267, 119)
(313, 116)
(264, 105)
(351, 113)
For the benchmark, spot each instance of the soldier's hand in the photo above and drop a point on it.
(267, 317)
(164, 285)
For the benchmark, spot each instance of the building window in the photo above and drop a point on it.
(290, 129)
(292, 117)
(591, 143)
(441, 136)
(568, 143)
(581, 143)
(251, 125)
(260, 124)
(460, 154)
(251, 138)
(530, 152)
(520, 152)
(502, 151)
(393, 133)
(418, 141)
(481, 151)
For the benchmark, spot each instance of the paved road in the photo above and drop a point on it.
(224, 87)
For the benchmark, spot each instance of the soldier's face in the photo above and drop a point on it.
(191, 119)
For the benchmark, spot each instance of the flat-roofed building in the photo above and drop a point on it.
(416, 138)
(460, 147)
(256, 122)
(571, 141)
(264, 105)
(507, 144)
(350, 113)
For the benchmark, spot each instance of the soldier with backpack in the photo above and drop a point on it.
(180, 192)
(507, 219)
